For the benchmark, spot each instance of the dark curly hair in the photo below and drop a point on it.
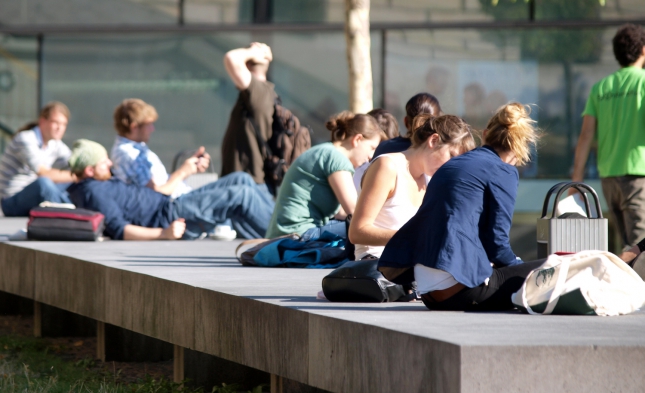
(628, 44)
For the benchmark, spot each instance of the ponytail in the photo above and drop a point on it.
(512, 129)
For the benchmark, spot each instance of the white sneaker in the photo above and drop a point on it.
(223, 232)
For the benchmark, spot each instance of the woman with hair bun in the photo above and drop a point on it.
(318, 186)
(458, 242)
(394, 184)
(422, 103)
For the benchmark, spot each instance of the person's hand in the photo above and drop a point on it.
(261, 52)
(204, 159)
(189, 167)
(175, 230)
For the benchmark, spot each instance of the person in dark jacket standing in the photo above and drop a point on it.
(458, 242)
(252, 113)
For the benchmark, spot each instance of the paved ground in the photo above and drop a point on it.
(210, 265)
(196, 295)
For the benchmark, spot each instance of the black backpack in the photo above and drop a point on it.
(360, 281)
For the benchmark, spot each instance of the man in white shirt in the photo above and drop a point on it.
(135, 163)
(32, 167)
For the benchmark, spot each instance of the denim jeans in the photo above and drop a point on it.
(235, 197)
(333, 226)
(40, 190)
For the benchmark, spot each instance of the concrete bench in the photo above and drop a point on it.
(195, 296)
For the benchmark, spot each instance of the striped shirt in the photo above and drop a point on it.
(134, 163)
(24, 155)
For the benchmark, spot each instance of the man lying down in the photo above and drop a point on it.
(134, 212)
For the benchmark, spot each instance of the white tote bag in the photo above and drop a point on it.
(588, 283)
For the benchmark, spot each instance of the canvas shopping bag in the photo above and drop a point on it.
(588, 282)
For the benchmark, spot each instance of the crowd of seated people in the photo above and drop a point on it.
(456, 247)
(430, 206)
(394, 185)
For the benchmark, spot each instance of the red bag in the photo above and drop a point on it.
(61, 224)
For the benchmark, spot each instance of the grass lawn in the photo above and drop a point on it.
(40, 365)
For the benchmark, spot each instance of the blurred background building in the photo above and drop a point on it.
(474, 55)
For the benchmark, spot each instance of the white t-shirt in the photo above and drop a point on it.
(430, 279)
(134, 162)
(24, 155)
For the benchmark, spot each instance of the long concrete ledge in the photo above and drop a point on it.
(195, 295)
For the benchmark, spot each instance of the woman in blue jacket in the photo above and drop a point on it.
(458, 242)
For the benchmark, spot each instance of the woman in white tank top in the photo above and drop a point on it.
(394, 185)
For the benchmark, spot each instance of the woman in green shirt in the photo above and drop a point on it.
(318, 191)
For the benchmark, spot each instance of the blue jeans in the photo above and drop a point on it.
(40, 190)
(234, 197)
(334, 226)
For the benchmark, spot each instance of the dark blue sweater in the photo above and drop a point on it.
(464, 221)
(122, 204)
(394, 145)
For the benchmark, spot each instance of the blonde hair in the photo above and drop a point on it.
(347, 124)
(452, 130)
(132, 111)
(512, 129)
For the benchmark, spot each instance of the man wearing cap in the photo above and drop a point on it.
(134, 212)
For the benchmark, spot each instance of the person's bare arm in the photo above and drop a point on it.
(377, 186)
(630, 254)
(342, 184)
(188, 168)
(56, 175)
(585, 140)
(173, 232)
(235, 63)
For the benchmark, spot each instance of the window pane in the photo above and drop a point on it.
(443, 10)
(18, 81)
(184, 78)
(311, 76)
(474, 72)
(333, 11)
(88, 12)
(589, 9)
(217, 11)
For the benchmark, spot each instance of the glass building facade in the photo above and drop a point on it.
(474, 55)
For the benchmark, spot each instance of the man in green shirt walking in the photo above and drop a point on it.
(615, 115)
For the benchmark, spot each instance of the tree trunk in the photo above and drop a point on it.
(357, 34)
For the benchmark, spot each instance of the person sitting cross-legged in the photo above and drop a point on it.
(134, 212)
(33, 167)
